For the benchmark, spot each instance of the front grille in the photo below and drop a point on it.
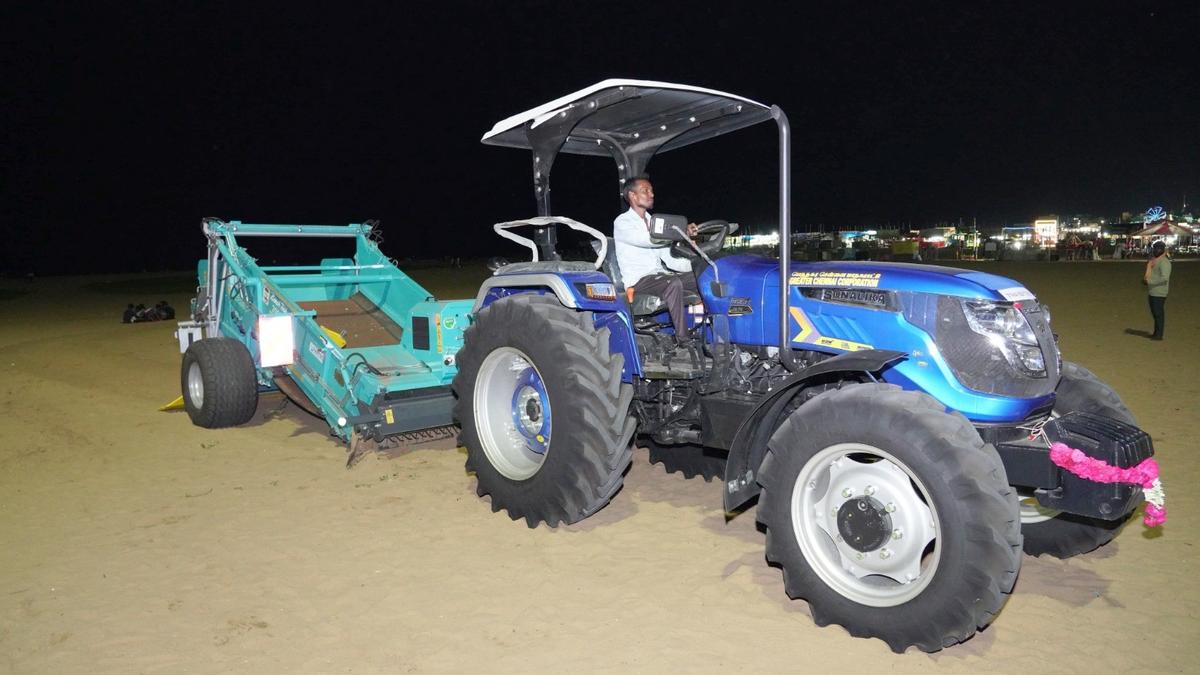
(980, 366)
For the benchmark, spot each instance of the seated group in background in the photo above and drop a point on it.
(159, 312)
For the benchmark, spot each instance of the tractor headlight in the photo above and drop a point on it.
(1009, 331)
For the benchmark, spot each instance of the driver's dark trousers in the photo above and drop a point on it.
(671, 287)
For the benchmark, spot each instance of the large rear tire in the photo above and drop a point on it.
(890, 516)
(1064, 535)
(544, 414)
(219, 385)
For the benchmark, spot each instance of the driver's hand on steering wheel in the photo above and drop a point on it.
(692, 230)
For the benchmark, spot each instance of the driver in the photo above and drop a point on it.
(649, 265)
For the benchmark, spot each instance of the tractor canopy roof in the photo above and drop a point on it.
(627, 119)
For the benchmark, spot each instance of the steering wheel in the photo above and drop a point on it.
(710, 236)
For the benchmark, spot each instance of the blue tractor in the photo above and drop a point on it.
(893, 420)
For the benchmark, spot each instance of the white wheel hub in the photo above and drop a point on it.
(195, 385)
(866, 524)
(512, 413)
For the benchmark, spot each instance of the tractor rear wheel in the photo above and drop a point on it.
(890, 516)
(219, 385)
(544, 414)
(1064, 535)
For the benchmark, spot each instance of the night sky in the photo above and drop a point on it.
(124, 125)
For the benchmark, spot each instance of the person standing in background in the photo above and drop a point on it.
(1158, 280)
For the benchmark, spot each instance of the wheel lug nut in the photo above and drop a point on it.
(870, 490)
(897, 534)
(890, 507)
(847, 492)
(812, 484)
(885, 554)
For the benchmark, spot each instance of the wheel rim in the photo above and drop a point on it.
(1031, 511)
(512, 413)
(866, 524)
(195, 385)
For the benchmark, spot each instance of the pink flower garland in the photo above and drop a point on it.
(1144, 474)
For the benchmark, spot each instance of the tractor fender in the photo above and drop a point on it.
(611, 314)
(749, 444)
(552, 282)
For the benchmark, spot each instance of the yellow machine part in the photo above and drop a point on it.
(335, 336)
(177, 404)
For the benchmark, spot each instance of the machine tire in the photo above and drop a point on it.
(1064, 535)
(218, 381)
(688, 459)
(906, 464)
(565, 371)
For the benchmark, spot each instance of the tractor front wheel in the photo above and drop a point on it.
(890, 516)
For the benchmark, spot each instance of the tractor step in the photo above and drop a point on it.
(683, 365)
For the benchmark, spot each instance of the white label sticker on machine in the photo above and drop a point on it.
(1016, 293)
(275, 341)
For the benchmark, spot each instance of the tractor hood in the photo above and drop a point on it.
(876, 275)
(993, 364)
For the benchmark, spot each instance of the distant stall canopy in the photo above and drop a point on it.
(1165, 229)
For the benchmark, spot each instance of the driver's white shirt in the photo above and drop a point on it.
(637, 255)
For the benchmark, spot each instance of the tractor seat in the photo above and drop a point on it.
(644, 304)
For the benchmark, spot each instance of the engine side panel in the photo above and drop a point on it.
(845, 307)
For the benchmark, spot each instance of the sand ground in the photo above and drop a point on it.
(132, 541)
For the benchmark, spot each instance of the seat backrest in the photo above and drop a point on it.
(643, 304)
(610, 266)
